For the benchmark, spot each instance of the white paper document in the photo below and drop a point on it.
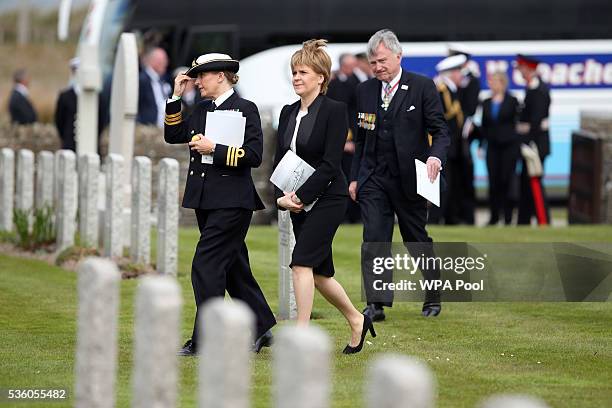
(224, 127)
(425, 188)
(291, 173)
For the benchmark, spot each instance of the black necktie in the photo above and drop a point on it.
(213, 106)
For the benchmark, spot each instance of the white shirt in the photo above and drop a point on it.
(393, 84)
(298, 119)
(534, 83)
(22, 89)
(158, 92)
(223, 97)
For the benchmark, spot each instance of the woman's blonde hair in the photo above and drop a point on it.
(313, 55)
(502, 76)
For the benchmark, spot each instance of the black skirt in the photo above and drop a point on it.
(314, 232)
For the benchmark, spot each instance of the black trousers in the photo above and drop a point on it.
(221, 262)
(501, 166)
(381, 198)
(526, 208)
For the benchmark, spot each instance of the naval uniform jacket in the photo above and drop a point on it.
(227, 182)
(417, 112)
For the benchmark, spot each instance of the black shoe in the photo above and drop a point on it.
(431, 309)
(265, 340)
(375, 313)
(189, 349)
(367, 325)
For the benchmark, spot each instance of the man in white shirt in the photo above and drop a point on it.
(153, 88)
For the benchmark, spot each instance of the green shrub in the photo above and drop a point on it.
(21, 219)
(42, 233)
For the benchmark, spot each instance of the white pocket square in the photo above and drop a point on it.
(411, 108)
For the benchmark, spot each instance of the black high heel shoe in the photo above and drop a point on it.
(367, 325)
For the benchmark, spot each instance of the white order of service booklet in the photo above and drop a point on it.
(291, 173)
(425, 188)
(224, 127)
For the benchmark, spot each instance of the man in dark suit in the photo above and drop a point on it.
(533, 128)
(66, 109)
(343, 88)
(153, 88)
(396, 111)
(221, 191)
(20, 107)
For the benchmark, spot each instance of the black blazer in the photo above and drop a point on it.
(147, 108)
(65, 116)
(227, 182)
(535, 112)
(417, 112)
(21, 109)
(501, 130)
(320, 142)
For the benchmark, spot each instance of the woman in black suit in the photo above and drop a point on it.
(499, 116)
(315, 128)
(221, 191)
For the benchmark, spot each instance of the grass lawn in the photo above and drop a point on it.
(464, 345)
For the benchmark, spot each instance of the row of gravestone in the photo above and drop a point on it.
(301, 356)
(72, 188)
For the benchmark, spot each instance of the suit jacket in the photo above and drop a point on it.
(469, 95)
(501, 130)
(147, 107)
(65, 116)
(417, 112)
(21, 109)
(320, 142)
(227, 182)
(535, 112)
(345, 91)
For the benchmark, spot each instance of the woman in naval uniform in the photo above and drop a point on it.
(221, 191)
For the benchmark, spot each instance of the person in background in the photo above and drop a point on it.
(363, 71)
(342, 88)
(222, 193)
(468, 94)
(315, 128)
(498, 132)
(20, 106)
(533, 128)
(66, 109)
(451, 209)
(153, 89)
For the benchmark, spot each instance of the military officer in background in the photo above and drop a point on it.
(468, 93)
(533, 128)
(456, 172)
(396, 111)
(222, 192)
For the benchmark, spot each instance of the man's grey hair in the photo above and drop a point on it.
(20, 75)
(385, 37)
